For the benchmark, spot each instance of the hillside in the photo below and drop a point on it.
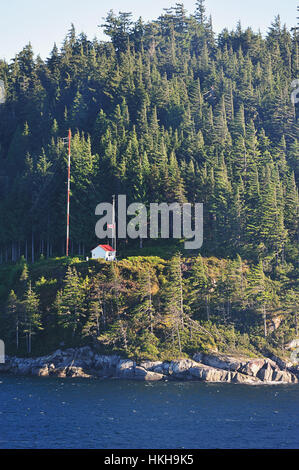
(164, 111)
(145, 308)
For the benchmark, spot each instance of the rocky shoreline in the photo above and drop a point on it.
(214, 367)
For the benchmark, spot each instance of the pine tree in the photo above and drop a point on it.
(258, 292)
(200, 285)
(174, 300)
(32, 321)
(70, 303)
(200, 12)
(13, 319)
(95, 311)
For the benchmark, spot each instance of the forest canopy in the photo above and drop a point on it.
(163, 111)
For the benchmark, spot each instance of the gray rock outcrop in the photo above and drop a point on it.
(214, 367)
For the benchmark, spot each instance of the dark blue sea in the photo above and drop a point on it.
(39, 413)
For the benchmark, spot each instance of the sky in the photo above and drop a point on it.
(43, 22)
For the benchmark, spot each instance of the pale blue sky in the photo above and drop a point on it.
(43, 22)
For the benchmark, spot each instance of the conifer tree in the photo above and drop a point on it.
(70, 303)
(174, 300)
(14, 318)
(32, 320)
(200, 12)
(199, 298)
(258, 292)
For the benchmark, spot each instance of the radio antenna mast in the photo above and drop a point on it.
(67, 141)
(68, 194)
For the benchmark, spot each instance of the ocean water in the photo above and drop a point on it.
(39, 413)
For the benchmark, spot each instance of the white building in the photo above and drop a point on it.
(105, 252)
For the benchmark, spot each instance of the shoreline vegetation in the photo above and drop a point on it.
(147, 309)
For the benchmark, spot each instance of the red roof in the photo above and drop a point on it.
(107, 247)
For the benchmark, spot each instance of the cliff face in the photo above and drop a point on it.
(84, 362)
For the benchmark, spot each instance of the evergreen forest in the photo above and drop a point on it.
(161, 111)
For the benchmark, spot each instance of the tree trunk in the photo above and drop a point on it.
(265, 321)
(207, 307)
(179, 339)
(32, 247)
(17, 334)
